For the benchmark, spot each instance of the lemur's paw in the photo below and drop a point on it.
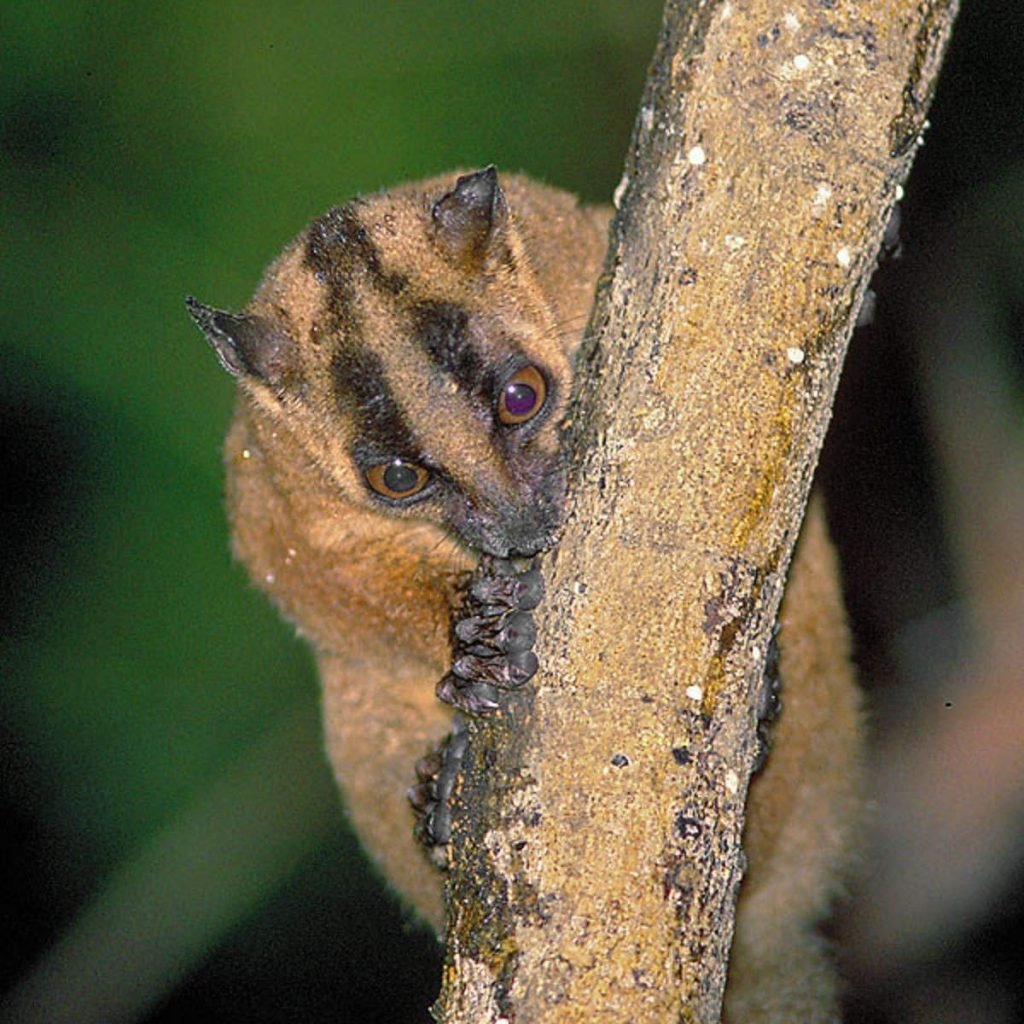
(431, 796)
(493, 635)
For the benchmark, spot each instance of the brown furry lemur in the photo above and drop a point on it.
(403, 369)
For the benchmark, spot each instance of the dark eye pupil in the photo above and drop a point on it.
(519, 399)
(400, 478)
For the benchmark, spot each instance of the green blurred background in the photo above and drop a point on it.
(168, 819)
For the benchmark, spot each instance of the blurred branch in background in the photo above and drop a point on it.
(949, 776)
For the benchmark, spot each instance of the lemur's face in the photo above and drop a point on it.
(405, 338)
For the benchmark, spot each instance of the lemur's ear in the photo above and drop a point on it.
(470, 217)
(246, 345)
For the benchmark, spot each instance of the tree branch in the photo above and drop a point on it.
(596, 845)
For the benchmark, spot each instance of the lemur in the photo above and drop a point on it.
(403, 370)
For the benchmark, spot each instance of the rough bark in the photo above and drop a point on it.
(596, 847)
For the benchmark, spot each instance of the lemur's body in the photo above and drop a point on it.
(403, 368)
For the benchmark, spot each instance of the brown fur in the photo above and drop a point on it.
(372, 587)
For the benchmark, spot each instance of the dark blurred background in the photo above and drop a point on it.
(170, 843)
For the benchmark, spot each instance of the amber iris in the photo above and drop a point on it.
(397, 479)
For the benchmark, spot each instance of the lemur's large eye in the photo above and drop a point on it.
(397, 479)
(522, 396)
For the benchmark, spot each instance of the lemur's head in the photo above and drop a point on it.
(405, 340)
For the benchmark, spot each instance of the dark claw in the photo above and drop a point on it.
(488, 636)
(521, 667)
(497, 583)
(421, 796)
(529, 590)
(473, 668)
(496, 590)
(437, 831)
(478, 628)
(519, 633)
(427, 767)
(473, 697)
(480, 698)
(503, 673)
